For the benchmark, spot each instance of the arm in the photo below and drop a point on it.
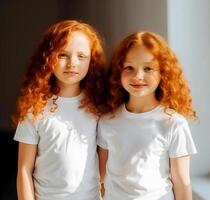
(26, 161)
(181, 178)
(103, 156)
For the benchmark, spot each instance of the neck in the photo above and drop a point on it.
(69, 90)
(141, 104)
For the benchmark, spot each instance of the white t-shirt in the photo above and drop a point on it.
(140, 145)
(66, 166)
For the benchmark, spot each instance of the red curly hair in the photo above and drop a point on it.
(173, 91)
(40, 83)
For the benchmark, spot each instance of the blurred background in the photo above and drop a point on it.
(184, 24)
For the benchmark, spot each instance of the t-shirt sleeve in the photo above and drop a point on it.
(101, 135)
(27, 132)
(181, 142)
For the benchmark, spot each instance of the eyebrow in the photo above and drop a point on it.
(64, 51)
(129, 62)
(83, 52)
(149, 62)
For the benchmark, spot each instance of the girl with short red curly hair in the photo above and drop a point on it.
(57, 115)
(145, 141)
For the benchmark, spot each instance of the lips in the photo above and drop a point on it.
(138, 85)
(71, 73)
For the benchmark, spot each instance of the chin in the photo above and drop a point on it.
(138, 93)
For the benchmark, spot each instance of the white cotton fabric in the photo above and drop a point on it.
(140, 145)
(66, 166)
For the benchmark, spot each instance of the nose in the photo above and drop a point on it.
(139, 74)
(72, 61)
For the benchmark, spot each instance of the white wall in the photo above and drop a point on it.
(189, 36)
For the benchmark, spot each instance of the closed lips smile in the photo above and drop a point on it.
(138, 85)
(71, 72)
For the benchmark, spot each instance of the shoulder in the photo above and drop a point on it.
(173, 116)
(32, 119)
(178, 119)
(169, 119)
(111, 116)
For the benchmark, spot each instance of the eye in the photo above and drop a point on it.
(62, 55)
(128, 68)
(148, 69)
(82, 56)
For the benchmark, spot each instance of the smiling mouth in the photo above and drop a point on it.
(138, 85)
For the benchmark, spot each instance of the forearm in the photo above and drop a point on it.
(182, 192)
(103, 155)
(102, 174)
(180, 175)
(25, 186)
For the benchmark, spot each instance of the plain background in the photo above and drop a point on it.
(183, 23)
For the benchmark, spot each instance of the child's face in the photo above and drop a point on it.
(140, 75)
(73, 61)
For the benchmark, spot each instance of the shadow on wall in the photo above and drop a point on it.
(8, 166)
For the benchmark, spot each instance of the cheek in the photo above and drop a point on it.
(56, 72)
(155, 81)
(124, 80)
(85, 65)
(56, 69)
(60, 64)
(124, 76)
(84, 68)
(62, 61)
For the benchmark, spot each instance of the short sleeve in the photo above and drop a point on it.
(101, 135)
(26, 131)
(181, 142)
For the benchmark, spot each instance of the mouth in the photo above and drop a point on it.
(71, 73)
(138, 85)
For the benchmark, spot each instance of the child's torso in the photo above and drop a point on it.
(138, 163)
(66, 165)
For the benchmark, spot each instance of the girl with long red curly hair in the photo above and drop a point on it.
(145, 141)
(57, 114)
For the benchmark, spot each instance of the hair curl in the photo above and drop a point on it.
(173, 91)
(39, 81)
